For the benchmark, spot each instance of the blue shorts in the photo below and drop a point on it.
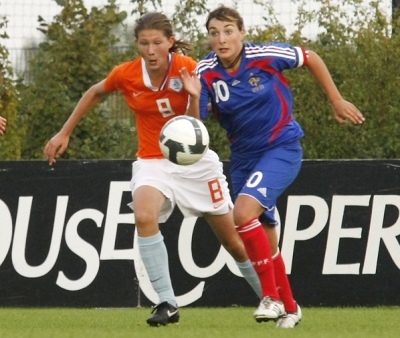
(265, 178)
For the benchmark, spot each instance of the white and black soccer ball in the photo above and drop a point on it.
(184, 140)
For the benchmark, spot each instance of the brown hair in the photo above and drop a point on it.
(159, 21)
(223, 13)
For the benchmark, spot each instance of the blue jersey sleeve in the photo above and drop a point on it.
(281, 56)
(205, 95)
(204, 100)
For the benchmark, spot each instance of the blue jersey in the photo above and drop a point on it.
(255, 104)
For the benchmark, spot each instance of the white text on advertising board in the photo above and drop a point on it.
(330, 217)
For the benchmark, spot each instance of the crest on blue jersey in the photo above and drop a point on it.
(254, 80)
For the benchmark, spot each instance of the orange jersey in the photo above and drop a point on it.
(152, 106)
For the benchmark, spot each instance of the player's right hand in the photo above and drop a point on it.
(56, 147)
(191, 82)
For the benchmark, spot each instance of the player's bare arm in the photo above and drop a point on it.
(192, 85)
(343, 110)
(3, 124)
(59, 142)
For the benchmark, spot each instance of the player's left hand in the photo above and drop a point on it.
(344, 110)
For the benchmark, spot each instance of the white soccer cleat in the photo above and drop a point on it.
(290, 320)
(269, 309)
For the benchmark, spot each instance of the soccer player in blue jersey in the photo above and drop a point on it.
(251, 99)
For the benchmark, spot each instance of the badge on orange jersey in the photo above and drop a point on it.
(175, 84)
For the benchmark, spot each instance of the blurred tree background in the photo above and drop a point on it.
(361, 48)
(10, 146)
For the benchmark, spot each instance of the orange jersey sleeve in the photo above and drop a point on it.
(152, 106)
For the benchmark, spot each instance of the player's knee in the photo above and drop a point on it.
(145, 220)
(241, 218)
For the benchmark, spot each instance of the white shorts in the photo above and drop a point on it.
(196, 189)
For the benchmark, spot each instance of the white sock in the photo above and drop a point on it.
(155, 258)
(249, 273)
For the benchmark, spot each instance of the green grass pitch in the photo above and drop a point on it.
(382, 322)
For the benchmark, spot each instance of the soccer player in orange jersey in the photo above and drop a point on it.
(153, 89)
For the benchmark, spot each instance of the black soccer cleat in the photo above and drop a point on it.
(163, 314)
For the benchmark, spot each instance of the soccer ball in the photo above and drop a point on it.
(184, 140)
